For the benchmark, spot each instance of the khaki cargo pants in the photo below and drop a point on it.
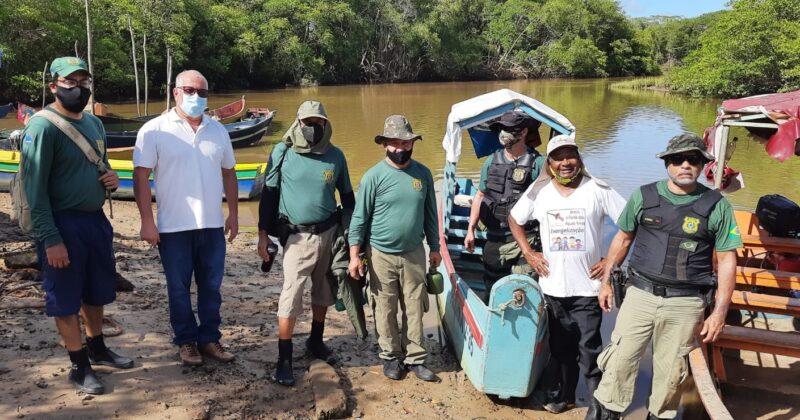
(673, 324)
(398, 280)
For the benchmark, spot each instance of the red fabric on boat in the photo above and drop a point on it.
(782, 144)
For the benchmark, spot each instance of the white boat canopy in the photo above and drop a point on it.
(486, 107)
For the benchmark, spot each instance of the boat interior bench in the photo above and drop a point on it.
(786, 343)
(469, 265)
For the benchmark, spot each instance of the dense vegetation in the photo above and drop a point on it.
(262, 43)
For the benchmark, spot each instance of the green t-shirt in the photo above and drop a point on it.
(538, 163)
(395, 208)
(308, 183)
(721, 221)
(57, 174)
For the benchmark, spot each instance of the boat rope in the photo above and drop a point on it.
(516, 303)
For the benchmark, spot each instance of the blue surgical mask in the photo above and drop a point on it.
(193, 105)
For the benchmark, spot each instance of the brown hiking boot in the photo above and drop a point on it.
(215, 351)
(189, 355)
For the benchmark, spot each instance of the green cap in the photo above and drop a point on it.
(397, 127)
(310, 109)
(65, 66)
(686, 142)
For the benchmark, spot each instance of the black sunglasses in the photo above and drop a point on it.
(203, 93)
(693, 159)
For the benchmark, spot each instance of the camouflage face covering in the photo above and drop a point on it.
(686, 142)
(397, 127)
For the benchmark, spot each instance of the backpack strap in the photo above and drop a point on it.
(76, 137)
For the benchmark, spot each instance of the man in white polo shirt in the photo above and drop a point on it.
(570, 205)
(192, 160)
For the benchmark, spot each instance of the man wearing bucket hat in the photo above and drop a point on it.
(504, 176)
(678, 224)
(395, 209)
(305, 171)
(65, 193)
(569, 204)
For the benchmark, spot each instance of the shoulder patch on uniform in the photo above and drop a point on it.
(735, 232)
(28, 138)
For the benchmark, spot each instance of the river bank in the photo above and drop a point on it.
(33, 365)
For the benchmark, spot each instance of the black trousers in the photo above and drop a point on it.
(575, 341)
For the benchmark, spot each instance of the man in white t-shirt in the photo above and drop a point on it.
(570, 206)
(192, 161)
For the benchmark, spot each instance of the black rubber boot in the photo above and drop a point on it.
(594, 406)
(82, 375)
(606, 414)
(99, 354)
(284, 373)
(393, 369)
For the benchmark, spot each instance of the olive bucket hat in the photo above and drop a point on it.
(397, 127)
(686, 142)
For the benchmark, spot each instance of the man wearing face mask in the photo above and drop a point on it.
(74, 239)
(570, 204)
(191, 158)
(504, 176)
(305, 171)
(396, 208)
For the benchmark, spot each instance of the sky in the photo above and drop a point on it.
(685, 8)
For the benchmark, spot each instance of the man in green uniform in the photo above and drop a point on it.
(65, 194)
(505, 175)
(395, 209)
(678, 224)
(305, 171)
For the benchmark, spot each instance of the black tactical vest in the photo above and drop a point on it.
(505, 182)
(674, 246)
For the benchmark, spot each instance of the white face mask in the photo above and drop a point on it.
(193, 105)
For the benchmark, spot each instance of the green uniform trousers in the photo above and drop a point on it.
(398, 280)
(672, 323)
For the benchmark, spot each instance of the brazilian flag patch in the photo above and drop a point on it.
(735, 233)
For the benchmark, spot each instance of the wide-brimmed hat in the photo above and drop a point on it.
(514, 120)
(559, 141)
(309, 109)
(65, 66)
(686, 142)
(397, 127)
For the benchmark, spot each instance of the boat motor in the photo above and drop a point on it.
(779, 216)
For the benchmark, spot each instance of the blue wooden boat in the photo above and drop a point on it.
(501, 346)
(5, 109)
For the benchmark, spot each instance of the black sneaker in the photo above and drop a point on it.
(393, 369)
(85, 380)
(109, 358)
(557, 407)
(423, 373)
(284, 374)
(320, 351)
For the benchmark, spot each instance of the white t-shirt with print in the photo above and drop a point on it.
(571, 232)
(187, 170)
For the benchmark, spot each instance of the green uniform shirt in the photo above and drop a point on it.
(395, 208)
(536, 168)
(308, 183)
(721, 221)
(57, 174)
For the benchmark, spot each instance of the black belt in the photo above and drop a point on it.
(664, 291)
(315, 228)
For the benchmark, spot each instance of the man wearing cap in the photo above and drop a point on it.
(504, 176)
(571, 204)
(65, 194)
(305, 171)
(191, 158)
(395, 209)
(678, 224)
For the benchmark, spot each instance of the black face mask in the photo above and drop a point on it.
(313, 133)
(399, 157)
(74, 99)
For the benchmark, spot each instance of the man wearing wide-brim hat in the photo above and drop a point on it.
(66, 192)
(570, 205)
(395, 209)
(678, 224)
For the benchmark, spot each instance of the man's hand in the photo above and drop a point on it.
(263, 244)
(435, 258)
(606, 296)
(355, 268)
(537, 261)
(596, 272)
(232, 226)
(469, 241)
(57, 256)
(712, 327)
(149, 233)
(110, 180)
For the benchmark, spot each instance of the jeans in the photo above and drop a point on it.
(200, 252)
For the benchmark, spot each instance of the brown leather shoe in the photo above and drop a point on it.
(189, 355)
(215, 351)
